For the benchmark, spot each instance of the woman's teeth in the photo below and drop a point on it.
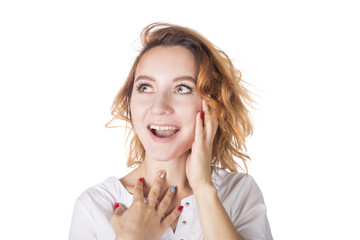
(163, 131)
(163, 127)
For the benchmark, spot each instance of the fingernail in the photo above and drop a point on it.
(116, 205)
(141, 180)
(173, 189)
(162, 174)
(180, 208)
(202, 115)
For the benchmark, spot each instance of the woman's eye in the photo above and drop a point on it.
(144, 88)
(183, 89)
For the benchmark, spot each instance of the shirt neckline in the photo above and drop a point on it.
(216, 178)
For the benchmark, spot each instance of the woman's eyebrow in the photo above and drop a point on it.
(144, 77)
(181, 78)
(177, 79)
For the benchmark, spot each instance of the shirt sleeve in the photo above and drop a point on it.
(249, 213)
(82, 224)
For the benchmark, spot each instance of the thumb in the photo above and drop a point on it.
(119, 209)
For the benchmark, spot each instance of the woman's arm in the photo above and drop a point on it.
(214, 220)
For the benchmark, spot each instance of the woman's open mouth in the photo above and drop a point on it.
(163, 131)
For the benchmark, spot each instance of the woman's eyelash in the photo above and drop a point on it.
(186, 86)
(141, 85)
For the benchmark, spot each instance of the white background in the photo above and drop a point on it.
(62, 63)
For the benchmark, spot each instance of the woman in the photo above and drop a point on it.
(186, 106)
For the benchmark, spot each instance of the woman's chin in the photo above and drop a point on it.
(165, 157)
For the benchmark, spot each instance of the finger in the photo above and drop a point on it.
(172, 217)
(207, 117)
(165, 202)
(210, 122)
(155, 189)
(205, 106)
(199, 128)
(206, 109)
(139, 190)
(119, 209)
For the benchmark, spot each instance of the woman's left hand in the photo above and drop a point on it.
(198, 163)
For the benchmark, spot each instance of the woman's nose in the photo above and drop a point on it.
(161, 105)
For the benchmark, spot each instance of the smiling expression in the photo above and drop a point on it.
(165, 101)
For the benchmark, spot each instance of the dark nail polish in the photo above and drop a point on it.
(180, 208)
(141, 180)
(202, 115)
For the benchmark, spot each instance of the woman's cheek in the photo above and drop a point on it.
(190, 115)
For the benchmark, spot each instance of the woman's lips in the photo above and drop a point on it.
(164, 139)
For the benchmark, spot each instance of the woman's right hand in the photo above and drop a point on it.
(143, 221)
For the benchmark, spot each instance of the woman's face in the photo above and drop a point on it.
(165, 101)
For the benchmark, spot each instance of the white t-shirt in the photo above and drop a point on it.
(238, 192)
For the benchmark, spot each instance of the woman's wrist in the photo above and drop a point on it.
(121, 235)
(126, 237)
(205, 189)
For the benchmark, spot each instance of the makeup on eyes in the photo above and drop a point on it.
(140, 87)
(186, 86)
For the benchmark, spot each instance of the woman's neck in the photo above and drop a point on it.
(175, 174)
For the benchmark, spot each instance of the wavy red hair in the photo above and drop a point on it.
(218, 82)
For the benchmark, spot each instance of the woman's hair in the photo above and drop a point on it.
(218, 82)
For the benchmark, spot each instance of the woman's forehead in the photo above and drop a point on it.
(173, 60)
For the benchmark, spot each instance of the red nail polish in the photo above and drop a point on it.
(202, 115)
(180, 208)
(141, 180)
(116, 205)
